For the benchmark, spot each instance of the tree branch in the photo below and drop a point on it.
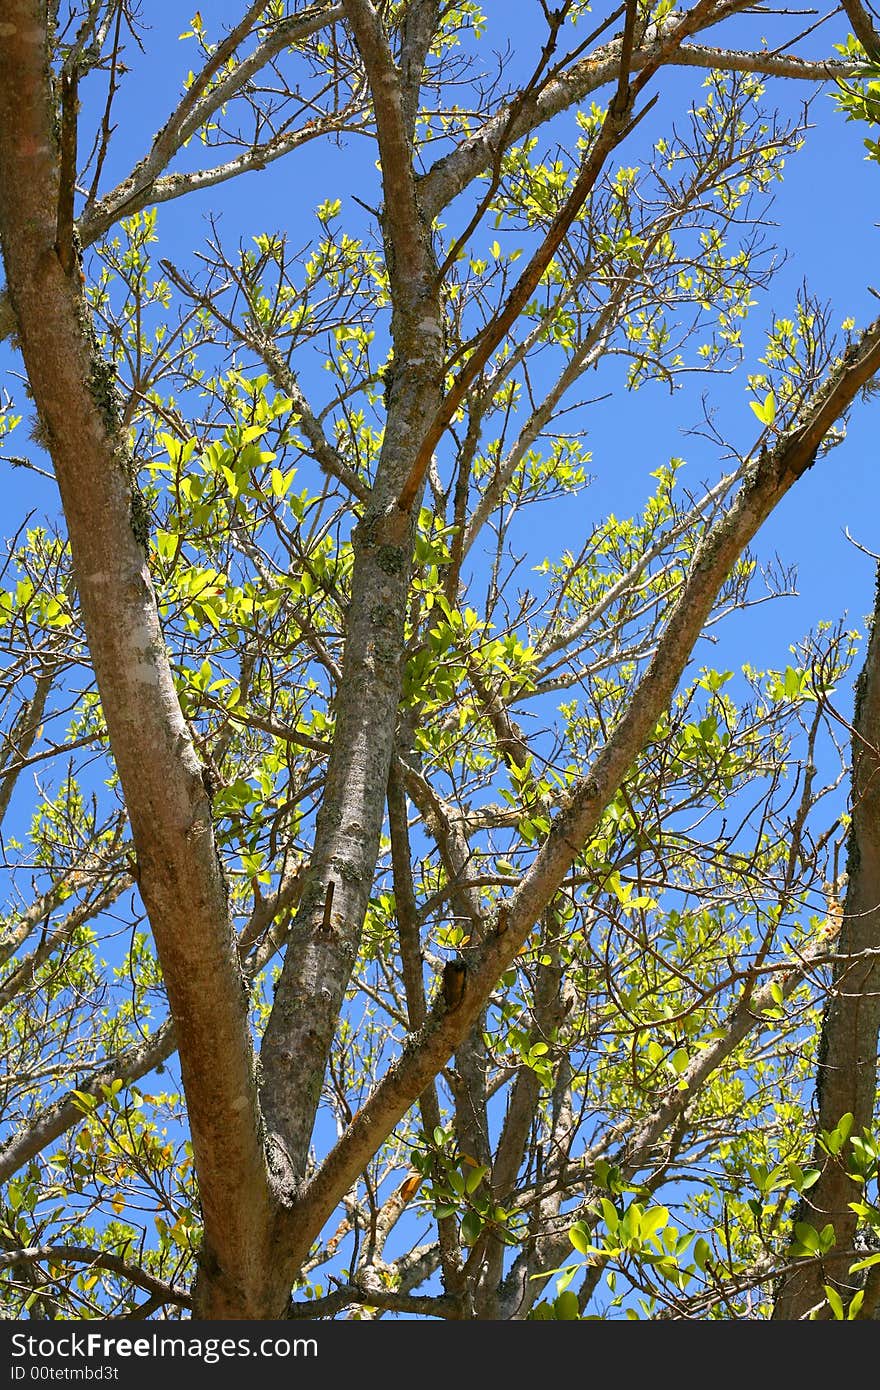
(181, 880)
(56, 1119)
(863, 27)
(770, 478)
(20, 739)
(401, 218)
(419, 29)
(319, 961)
(284, 378)
(846, 1066)
(199, 103)
(100, 1259)
(23, 975)
(476, 154)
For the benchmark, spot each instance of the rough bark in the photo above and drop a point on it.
(864, 27)
(846, 1068)
(327, 930)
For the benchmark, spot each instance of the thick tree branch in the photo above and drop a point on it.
(181, 880)
(324, 943)
(419, 29)
(401, 217)
(67, 174)
(846, 1067)
(692, 55)
(863, 27)
(359, 1296)
(770, 478)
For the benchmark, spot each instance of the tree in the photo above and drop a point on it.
(369, 890)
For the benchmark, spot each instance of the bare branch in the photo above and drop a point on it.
(284, 379)
(66, 1113)
(476, 154)
(200, 101)
(20, 739)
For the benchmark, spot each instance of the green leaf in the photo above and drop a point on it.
(702, 1252)
(766, 412)
(580, 1238)
(565, 1306)
(807, 1237)
(610, 1213)
(473, 1178)
(835, 1302)
(826, 1239)
(471, 1226)
(833, 1140)
(653, 1220)
(865, 1264)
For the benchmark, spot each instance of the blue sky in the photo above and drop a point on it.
(826, 211)
(826, 215)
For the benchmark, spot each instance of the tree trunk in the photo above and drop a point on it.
(179, 874)
(846, 1067)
